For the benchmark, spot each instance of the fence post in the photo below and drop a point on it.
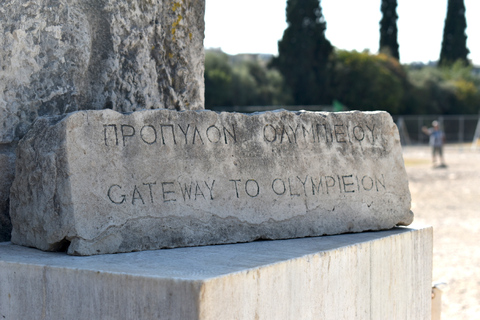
(461, 128)
(420, 132)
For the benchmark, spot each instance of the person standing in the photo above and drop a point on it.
(437, 140)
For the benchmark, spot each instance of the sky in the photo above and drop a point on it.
(255, 26)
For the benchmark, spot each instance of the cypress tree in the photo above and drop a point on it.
(304, 53)
(388, 28)
(454, 44)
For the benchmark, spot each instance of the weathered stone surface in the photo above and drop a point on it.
(372, 275)
(103, 182)
(59, 56)
(7, 170)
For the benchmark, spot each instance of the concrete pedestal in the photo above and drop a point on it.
(373, 275)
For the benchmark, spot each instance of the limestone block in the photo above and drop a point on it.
(374, 275)
(60, 56)
(7, 170)
(102, 182)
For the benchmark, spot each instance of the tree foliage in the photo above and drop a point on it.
(454, 44)
(304, 53)
(241, 81)
(388, 29)
(363, 81)
(449, 89)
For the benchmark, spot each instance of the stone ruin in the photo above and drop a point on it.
(61, 56)
(92, 181)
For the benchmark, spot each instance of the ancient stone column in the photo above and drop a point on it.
(59, 56)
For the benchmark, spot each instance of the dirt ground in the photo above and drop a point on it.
(449, 200)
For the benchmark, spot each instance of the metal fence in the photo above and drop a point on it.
(457, 128)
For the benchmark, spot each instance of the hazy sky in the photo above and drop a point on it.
(255, 26)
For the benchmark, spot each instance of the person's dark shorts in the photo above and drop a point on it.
(438, 150)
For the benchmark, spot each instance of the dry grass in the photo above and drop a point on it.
(449, 200)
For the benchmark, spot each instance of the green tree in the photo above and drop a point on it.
(241, 80)
(363, 81)
(450, 89)
(304, 53)
(388, 28)
(218, 79)
(454, 44)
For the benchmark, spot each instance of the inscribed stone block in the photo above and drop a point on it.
(102, 182)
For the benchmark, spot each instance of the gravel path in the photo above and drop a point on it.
(449, 200)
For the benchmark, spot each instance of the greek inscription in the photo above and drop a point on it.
(269, 133)
(371, 130)
(214, 134)
(172, 132)
(340, 133)
(358, 133)
(232, 135)
(167, 134)
(195, 132)
(105, 128)
(128, 131)
(185, 132)
(308, 133)
(148, 134)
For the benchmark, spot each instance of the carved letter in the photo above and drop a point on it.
(166, 192)
(234, 135)
(125, 135)
(218, 134)
(195, 131)
(303, 182)
(377, 182)
(185, 132)
(275, 189)
(339, 134)
(332, 179)
(109, 194)
(150, 184)
(358, 133)
(210, 188)
(144, 135)
(105, 127)
(236, 187)
(173, 132)
(136, 191)
(274, 133)
(371, 130)
(256, 192)
(347, 184)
